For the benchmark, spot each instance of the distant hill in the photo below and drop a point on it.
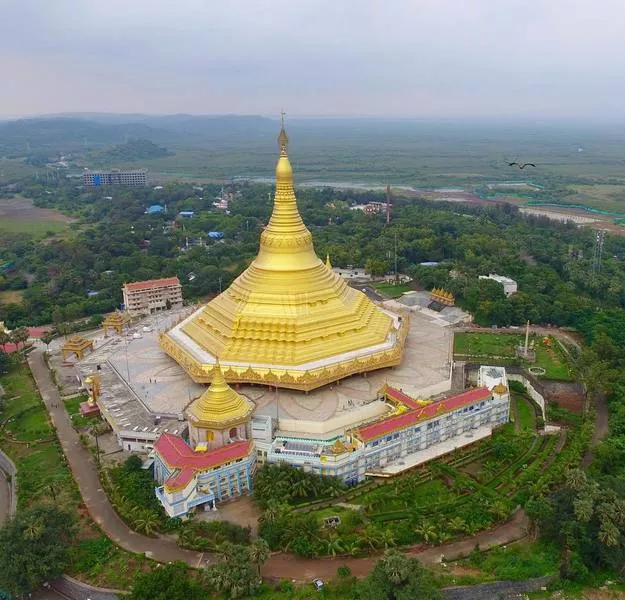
(67, 133)
(135, 149)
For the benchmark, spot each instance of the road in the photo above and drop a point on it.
(4, 497)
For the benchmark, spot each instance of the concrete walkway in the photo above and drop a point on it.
(164, 550)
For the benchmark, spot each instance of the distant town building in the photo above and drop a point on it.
(509, 285)
(144, 297)
(130, 177)
(155, 209)
(370, 208)
(186, 214)
(216, 235)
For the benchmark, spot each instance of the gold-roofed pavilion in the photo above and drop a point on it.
(116, 321)
(288, 320)
(77, 345)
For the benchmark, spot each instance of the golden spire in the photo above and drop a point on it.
(283, 139)
(285, 244)
(328, 263)
(219, 405)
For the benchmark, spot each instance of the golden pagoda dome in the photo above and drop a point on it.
(500, 389)
(287, 317)
(219, 406)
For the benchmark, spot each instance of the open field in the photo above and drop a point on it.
(19, 215)
(14, 169)
(487, 344)
(500, 347)
(390, 289)
(11, 296)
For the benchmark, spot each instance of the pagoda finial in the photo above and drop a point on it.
(283, 139)
(328, 263)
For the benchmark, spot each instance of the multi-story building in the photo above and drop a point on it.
(130, 177)
(414, 433)
(144, 297)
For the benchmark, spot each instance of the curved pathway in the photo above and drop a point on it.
(278, 566)
(85, 473)
(4, 497)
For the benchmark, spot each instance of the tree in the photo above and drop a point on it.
(398, 577)
(167, 582)
(234, 574)
(47, 337)
(20, 336)
(34, 548)
(259, 553)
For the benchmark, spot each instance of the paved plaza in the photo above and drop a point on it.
(140, 381)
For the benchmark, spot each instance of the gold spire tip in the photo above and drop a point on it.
(283, 139)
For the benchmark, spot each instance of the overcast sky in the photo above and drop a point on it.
(422, 58)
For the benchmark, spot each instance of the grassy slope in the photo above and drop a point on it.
(44, 477)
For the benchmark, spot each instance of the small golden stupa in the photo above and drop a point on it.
(219, 415)
(288, 320)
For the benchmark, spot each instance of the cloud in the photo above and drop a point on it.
(453, 58)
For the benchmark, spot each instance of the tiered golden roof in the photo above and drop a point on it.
(286, 319)
(219, 406)
(77, 345)
(116, 320)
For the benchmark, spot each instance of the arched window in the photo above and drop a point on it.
(233, 433)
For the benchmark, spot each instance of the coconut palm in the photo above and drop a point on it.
(146, 522)
(576, 479)
(34, 530)
(426, 531)
(334, 545)
(456, 524)
(259, 553)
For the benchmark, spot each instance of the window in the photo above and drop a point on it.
(233, 433)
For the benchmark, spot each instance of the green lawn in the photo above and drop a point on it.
(525, 413)
(552, 359)
(390, 289)
(36, 227)
(72, 405)
(486, 344)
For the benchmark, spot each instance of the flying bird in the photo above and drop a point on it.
(521, 166)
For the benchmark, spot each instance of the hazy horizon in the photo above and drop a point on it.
(427, 59)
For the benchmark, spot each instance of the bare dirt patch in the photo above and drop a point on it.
(11, 297)
(23, 209)
(566, 395)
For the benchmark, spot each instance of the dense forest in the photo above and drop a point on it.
(115, 241)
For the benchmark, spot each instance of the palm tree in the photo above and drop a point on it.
(427, 531)
(146, 522)
(387, 539)
(609, 534)
(576, 479)
(397, 567)
(457, 524)
(259, 553)
(499, 510)
(34, 530)
(301, 488)
(334, 545)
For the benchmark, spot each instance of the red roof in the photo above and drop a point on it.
(37, 332)
(177, 454)
(151, 283)
(399, 396)
(423, 413)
